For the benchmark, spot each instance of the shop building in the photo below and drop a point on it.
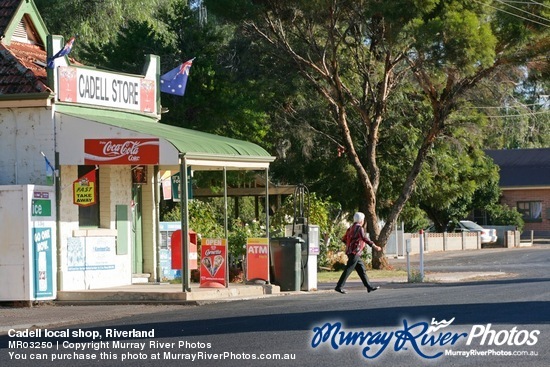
(83, 151)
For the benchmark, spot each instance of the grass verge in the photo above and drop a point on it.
(332, 276)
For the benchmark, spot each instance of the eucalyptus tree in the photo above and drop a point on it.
(358, 53)
(97, 22)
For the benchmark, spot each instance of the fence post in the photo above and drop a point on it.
(408, 250)
(421, 241)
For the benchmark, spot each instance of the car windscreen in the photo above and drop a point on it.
(471, 226)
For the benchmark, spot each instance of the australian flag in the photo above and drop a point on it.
(174, 81)
(64, 51)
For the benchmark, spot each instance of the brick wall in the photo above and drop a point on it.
(512, 196)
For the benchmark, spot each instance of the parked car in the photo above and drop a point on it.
(486, 235)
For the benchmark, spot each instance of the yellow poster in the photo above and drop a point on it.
(84, 193)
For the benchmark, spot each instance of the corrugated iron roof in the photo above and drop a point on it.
(190, 142)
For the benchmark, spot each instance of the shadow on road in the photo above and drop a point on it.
(367, 319)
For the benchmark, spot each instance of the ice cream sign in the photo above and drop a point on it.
(94, 87)
(213, 263)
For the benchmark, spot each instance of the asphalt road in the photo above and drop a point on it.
(491, 322)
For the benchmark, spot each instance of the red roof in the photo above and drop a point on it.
(7, 9)
(18, 71)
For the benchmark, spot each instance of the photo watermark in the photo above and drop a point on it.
(429, 340)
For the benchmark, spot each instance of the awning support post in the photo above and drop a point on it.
(185, 272)
(226, 230)
(267, 218)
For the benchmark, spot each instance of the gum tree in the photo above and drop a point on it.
(357, 54)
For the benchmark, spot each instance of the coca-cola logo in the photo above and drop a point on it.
(128, 149)
(121, 151)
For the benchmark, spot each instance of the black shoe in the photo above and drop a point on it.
(340, 290)
(373, 288)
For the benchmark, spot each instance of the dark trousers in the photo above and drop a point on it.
(354, 262)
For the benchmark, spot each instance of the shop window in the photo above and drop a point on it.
(530, 210)
(88, 216)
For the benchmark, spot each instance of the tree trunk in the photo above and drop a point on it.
(380, 261)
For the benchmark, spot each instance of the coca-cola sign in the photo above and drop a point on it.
(121, 151)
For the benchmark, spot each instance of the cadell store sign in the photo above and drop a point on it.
(93, 87)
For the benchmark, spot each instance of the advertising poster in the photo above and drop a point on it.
(176, 185)
(121, 151)
(43, 274)
(84, 190)
(213, 263)
(90, 253)
(257, 259)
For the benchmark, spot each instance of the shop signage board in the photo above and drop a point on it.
(41, 204)
(100, 88)
(42, 217)
(121, 151)
(213, 263)
(175, 192)
(257, 259)
(84, 190)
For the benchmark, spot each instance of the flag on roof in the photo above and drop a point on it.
(174, 81)
(64, 51)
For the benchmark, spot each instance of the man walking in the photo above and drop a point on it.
(355, 239)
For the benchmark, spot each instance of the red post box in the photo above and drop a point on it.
(175, 241)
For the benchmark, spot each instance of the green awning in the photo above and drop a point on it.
(195, 145)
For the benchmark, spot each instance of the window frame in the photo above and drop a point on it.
(528, 209)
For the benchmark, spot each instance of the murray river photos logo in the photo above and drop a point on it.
(428, 340)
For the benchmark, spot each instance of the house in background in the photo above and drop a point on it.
(525, 185)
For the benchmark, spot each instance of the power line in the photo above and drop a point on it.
(513, 14)
(527, 3)
(519, 114)
(521, 10)
(500, 107)
(544, 5)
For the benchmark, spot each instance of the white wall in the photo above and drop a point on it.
(434, 242)
(101, 267)
(24, 133)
